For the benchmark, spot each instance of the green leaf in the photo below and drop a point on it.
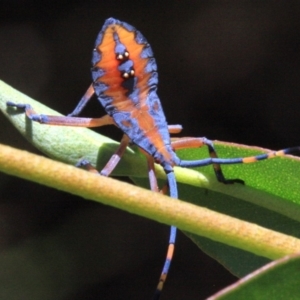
(277, 280)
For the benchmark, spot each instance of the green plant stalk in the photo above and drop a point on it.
(185, 216)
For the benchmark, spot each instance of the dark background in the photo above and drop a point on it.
(228, 70)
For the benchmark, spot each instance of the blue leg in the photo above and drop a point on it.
(62, 120)
(173, 231)
(83, 102)
(183, 143)
(216, 162)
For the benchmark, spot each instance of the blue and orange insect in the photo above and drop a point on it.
(125, 81)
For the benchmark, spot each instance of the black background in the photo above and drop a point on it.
(228, 70)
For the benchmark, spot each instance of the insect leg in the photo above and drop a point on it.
(183, 143)
(69, 120)
(216, 162)
(174, 128)
(111, 164)
(62, 120)
(83, 101)
(115, 158)
(173, 230)
(154, 187)
(151, 172)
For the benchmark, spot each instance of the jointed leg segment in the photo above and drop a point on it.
(83, 102)
(62, 120)
(190, 142)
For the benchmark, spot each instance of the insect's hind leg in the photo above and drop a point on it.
(173, 230)
(190, 142)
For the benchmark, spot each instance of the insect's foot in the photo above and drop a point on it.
(17, 105)
(232, 181)
(83, 163)
(86, 165)
(9, 103)
(104, 173)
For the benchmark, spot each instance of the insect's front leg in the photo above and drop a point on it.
(31, 114)
(83, 102)
(61, 120)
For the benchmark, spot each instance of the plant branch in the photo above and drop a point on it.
(185, 216)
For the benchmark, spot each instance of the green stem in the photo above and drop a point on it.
(185, 216)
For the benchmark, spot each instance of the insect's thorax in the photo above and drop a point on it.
(125, 81)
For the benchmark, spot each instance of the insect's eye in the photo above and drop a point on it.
(120, 50)
(126, 69)
(128, 74)
(123, 56)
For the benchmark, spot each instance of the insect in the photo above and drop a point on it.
(125, 78)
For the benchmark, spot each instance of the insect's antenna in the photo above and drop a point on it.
(173, 231)
(240, 160)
